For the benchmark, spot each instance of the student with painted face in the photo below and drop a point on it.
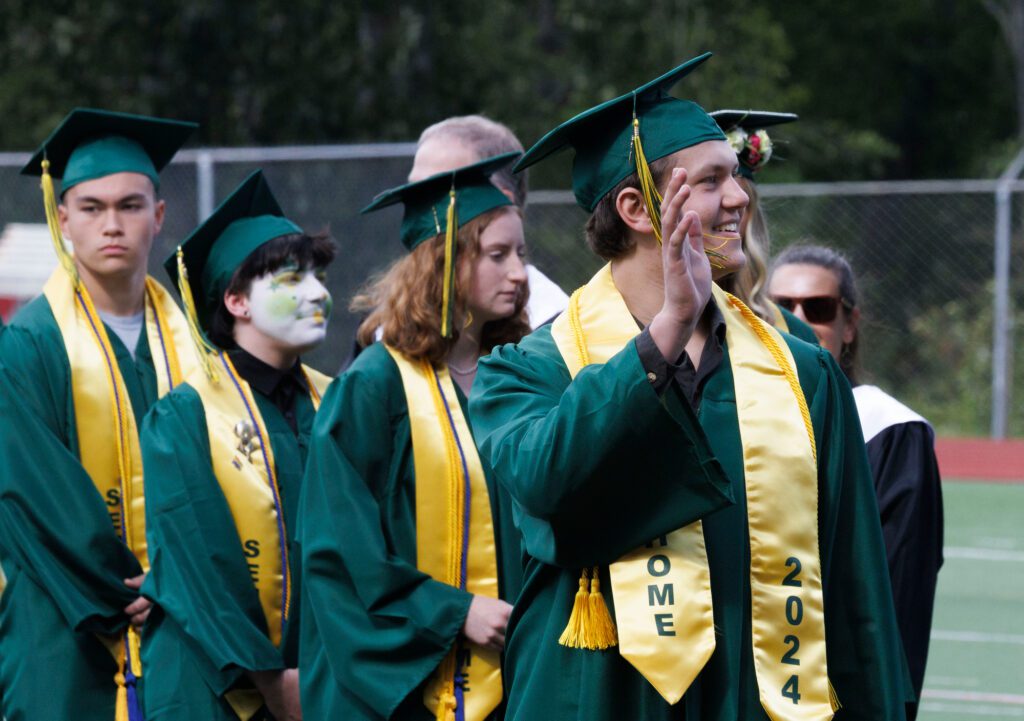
(79, 368)
(818, 284)
(747, 132)
(690, 484)
(409, 555)
(224, 455)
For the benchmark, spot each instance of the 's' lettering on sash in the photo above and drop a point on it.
(251, 549)
(113, 501)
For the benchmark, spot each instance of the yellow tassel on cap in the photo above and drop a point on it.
(204, 351)
(590, 624)
(53, 222)
(448, 292)
(652, 198)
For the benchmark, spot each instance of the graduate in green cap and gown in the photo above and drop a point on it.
(79, 368)
(409, 556)
(224, 456)
(690, 483)
(747, 132)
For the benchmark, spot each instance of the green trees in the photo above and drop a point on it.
(921, 88)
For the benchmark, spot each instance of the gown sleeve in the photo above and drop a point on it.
(54, 525)
(383, 625)
(596, 465)
(198, 574)
(866, 663)
(909, 491)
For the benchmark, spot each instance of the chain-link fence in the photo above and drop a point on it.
(923, 253)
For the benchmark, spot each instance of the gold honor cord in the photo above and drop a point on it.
(448, 289)
(652, 198)
(453, 518)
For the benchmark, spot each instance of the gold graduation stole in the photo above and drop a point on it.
(102, 407)
(662, 591)
(243, 462)
(454, 532)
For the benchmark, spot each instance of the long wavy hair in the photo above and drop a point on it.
(404, 302)
(750, 283)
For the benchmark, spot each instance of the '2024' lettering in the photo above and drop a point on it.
(794, 616)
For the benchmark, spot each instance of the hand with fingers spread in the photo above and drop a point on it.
(486, 621)
(686, 269)
(138, 610)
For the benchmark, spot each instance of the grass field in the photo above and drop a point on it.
(976, 658)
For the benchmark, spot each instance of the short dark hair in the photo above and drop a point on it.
(306, 251)
(606, 233)
(835, 262)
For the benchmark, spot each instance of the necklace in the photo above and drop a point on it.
(463, 371)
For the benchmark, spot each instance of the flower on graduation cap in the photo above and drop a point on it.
(757, 150)
(737, 139)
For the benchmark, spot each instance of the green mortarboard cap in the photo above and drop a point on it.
(743, 131)
(247, 219)
(602, 136)
(426, 201)
(90, 144)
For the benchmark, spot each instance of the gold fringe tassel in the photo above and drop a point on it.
(448, 293)
(590, 624)
(53, 222)
(603, 633)
(204, 351)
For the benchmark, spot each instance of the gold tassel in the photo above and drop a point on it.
(652, 198)
(53, 222)
(833, 698)
(602, 631)
(121, 699)
(573, 635)
(204, 351)
(448, 291)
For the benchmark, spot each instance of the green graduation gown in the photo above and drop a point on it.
(375, 627)
(209, 626)
(64, 562)
(600, 465)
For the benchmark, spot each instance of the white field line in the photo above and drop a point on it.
(1014, 639)
(961, 712)
(1010, 699)
(983, 554)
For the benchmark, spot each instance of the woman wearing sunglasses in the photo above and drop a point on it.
(817, 285)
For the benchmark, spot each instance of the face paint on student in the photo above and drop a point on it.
(292, 305)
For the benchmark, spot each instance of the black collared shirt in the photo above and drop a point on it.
(690, 380)
(281, 387)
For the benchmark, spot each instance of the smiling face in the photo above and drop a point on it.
(498, 273)
(111, 223)
(290, 307)
(717, 198)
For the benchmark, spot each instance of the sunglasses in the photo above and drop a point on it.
(817, 308)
